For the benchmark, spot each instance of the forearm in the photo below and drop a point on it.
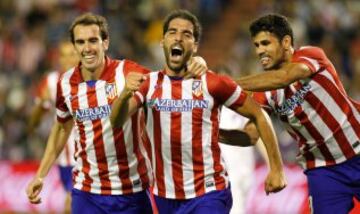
(120, 109)
(268, 137)
(55, 144)
(263, 82)
(275, 79)
(260, 147)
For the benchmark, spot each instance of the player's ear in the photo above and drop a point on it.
(106, 44)
(195, 48)
(162, 43)
(286, 42)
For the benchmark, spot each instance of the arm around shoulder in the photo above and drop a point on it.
(275, 79)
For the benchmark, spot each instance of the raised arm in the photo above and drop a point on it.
(55, 144)
(275, 180)
(125, 105)
(274, 79)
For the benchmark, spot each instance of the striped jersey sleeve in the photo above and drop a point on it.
(313, 57)
(225, 90)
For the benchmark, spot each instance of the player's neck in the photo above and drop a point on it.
(173, 73)
(93, 74)
(288, 55)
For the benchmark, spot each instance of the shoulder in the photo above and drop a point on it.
(313, 57)
(72, 73)
(309, 52)
(213, 78)
(221, 86)
(131, 66)
(212, 75)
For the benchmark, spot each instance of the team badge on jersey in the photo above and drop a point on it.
(110, 90)
(197, 88)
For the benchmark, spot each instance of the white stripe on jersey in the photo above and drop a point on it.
(89, 142)
(62, 114)
(270, 101)
(119, 77)
(233, 97)
(165, 121)
(186, 136)
(314, 62)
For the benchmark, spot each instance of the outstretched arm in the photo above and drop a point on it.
(274, 79)
(275, 180)
(55, 144)
(125, 105)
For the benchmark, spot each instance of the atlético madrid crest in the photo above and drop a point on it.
(110, 90)
(197, 88)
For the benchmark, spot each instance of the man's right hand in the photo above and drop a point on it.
(275, 181)
(33, 190)
(134, 80)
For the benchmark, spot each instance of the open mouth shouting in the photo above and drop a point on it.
(176, 53)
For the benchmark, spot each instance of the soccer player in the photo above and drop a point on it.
(111, 174)
(183, 125)
(303, 89)
(45, 102)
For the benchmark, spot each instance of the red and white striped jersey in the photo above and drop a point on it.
(317, 112)
(183, 127)
(46, 95)
(108, 160)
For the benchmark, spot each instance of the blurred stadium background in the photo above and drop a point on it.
(31, 29)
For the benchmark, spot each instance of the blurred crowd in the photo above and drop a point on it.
(30, 31)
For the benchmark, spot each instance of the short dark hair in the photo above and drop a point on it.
(273, 23)
(183, 14)
(90, 19)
